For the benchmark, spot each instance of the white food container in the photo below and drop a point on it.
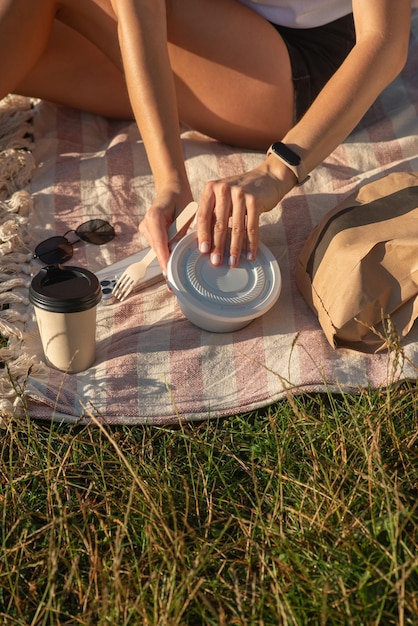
(219, 298)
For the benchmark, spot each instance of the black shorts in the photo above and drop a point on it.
(315, 54)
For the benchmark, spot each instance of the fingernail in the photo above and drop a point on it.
(204, 247)
(216, 259)
(250, 256)
(232, 260)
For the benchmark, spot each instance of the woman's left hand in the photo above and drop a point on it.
(242, 198)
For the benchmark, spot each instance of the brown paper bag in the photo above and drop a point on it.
(358, 269)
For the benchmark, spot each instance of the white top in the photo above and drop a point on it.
(300, 13)
(303, 13)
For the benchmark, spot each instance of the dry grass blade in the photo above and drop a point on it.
(304, 513)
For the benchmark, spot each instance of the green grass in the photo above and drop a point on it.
(305, 513)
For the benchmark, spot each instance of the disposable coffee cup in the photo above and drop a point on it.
(65, 299)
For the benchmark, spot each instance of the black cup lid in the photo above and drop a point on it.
(65, 289)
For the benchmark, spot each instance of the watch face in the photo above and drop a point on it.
(286, 153)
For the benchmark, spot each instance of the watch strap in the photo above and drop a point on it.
(292, 160)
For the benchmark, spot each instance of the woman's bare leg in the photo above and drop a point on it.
(233, 72)
(232, 69)
(76, 73)
(48, 59)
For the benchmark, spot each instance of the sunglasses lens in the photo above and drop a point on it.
(54, 250)
(96, 231)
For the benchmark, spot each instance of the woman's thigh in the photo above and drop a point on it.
(232, 68)
(74, 72)
(74, 58)
(233, 72)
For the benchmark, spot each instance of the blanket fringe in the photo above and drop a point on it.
(16, 167)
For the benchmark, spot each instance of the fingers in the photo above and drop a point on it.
(226, 214)
(253, 218)
(238, 223)
(205, 219)
(154, 229)
(220, 231)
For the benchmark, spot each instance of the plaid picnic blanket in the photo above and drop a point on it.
(154, 366)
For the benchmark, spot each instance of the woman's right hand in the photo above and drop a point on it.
(168, 203)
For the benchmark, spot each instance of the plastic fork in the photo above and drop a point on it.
(136, 272)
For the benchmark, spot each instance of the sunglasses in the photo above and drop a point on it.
(56, 250)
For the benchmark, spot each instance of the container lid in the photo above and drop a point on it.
(243, 292)
(65, 289)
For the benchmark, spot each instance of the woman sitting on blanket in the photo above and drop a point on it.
(298, 74)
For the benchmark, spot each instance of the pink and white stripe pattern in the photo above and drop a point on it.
(153, 366)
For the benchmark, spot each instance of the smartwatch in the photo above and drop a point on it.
(290, 159)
